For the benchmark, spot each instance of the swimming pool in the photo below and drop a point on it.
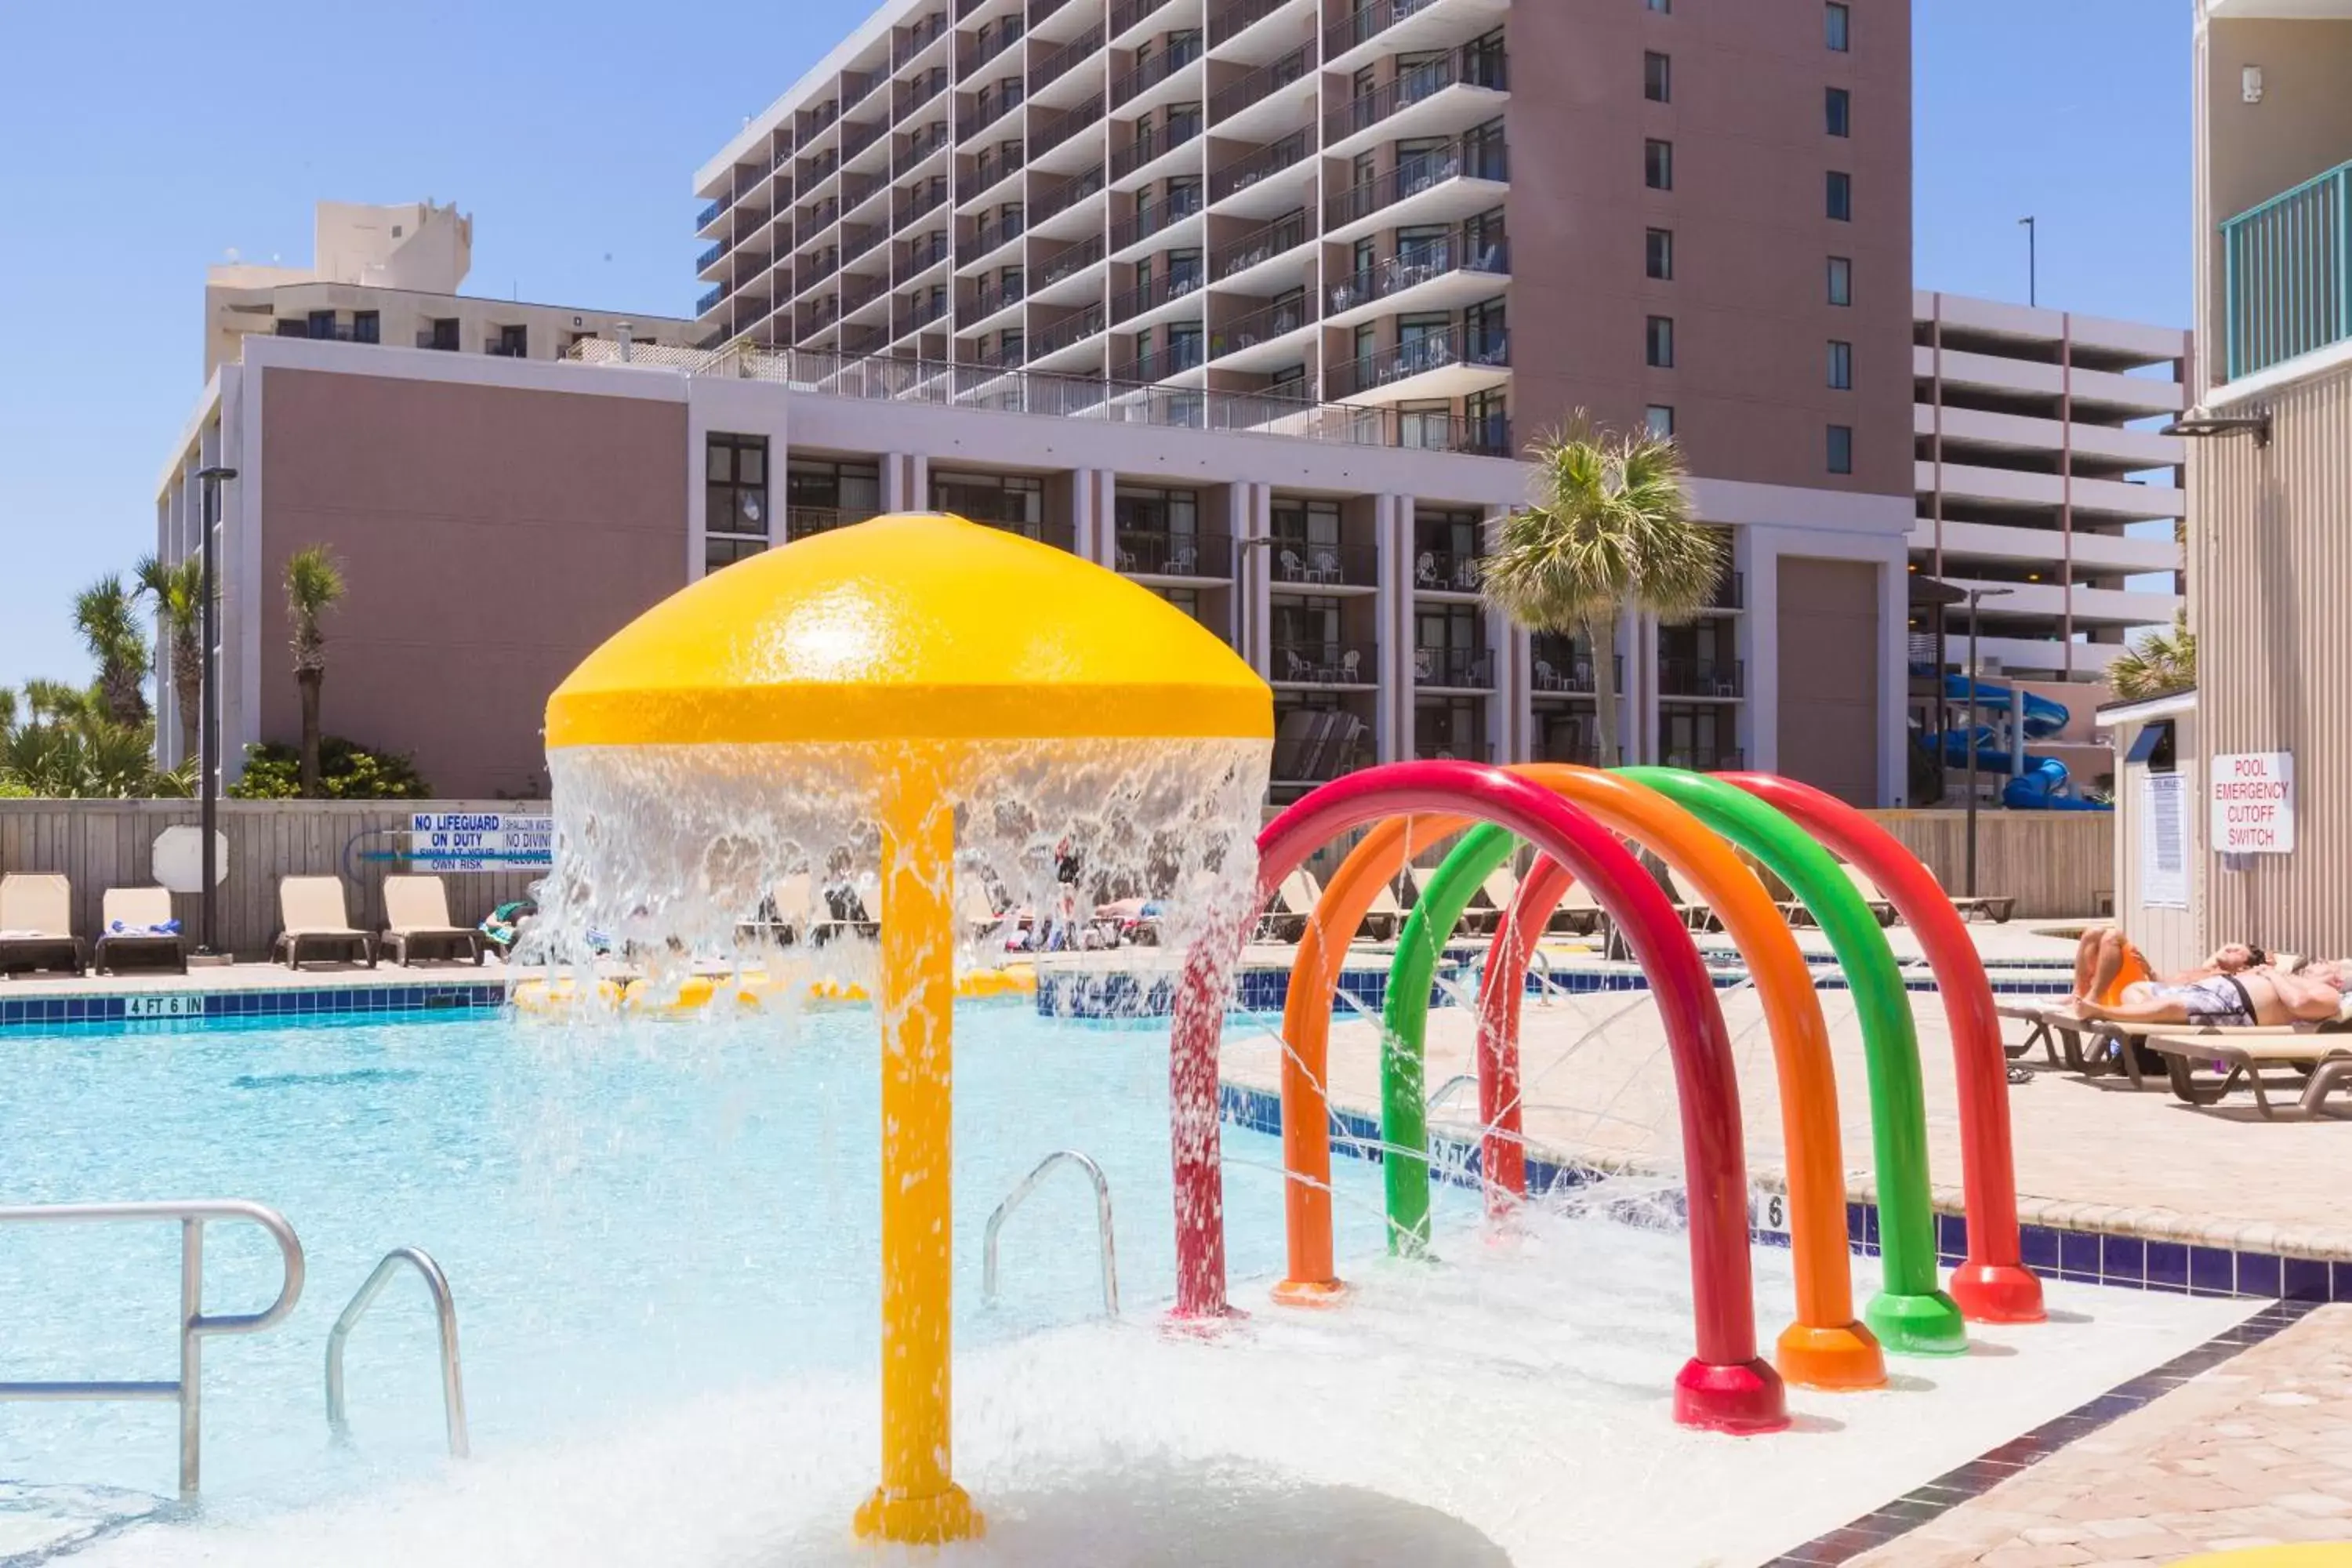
(662, 1243)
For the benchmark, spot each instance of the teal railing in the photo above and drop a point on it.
(2287, 273)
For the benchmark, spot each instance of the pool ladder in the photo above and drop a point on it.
(195, 1325)
(1014, 1199)
(444, 1313)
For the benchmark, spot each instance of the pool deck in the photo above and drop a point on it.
(2254, 1452)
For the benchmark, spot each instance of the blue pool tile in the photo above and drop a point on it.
(2342, 1291)
(2123, 1260)
(2304, 1279)
(2167, 1265)
(2258, 1274)
(2212, 1270)
(2078, 1255)
(1952, 1236)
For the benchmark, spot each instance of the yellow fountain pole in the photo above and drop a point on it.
(918, 1502)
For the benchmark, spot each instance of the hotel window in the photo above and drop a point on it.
(1657, 76)
(1841, 366)
(1841, 197)
(1486, 333)
(1841, 280)
(1661, 342)
(1661, 6)
(1838, 24)
(367, 327)
(323, 323)
(1301, 526)
(1658, 254)
(1426, 424)
(735, 498)
(823, 494)
(1004, 501)
(445, 333)
(1487, 422)
(1661, 420)
(1837, 108)
(1183, 346)
(1658, 164)
(1841, 448)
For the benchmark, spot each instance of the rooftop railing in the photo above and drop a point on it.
(2288, 274)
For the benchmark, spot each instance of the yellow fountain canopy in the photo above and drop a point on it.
(919, 627)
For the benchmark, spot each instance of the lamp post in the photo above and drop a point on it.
(2033, 263)
(208, 726)
(1975, 595)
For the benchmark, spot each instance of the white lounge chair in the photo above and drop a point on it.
(140, 912)
(416, 909)
(37, 923)
(312, 915)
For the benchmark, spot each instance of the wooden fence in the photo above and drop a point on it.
(103, 844)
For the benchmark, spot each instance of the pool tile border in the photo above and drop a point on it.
(294, 1002)
(1890, 1522)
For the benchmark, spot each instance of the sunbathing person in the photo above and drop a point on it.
(2259, 996)
(2104, 964)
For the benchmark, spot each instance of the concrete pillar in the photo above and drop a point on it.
(1893, 677)
(1392, 713)
(1755, 554)
(1082, 515)
(1249, 518)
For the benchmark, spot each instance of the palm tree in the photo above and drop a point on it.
(2160, 661)
(107, 620)
(177, 593)
(313, 584)
(1611, 532)
(53, 702)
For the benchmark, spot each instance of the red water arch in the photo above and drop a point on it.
(1725, 1386)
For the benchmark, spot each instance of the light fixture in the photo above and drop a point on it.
(2249, 84)
(2198, 423)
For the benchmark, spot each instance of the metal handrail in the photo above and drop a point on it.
(445, 1312)
(1449, 1086)
(1020, 1194)
(188, 1391)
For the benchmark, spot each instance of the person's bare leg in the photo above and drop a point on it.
(2162, 1010)
(2087, 959)
(2110, 963)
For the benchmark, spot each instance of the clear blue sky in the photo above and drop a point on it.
(140, 143)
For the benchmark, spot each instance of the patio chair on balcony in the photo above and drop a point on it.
(1295, 667)
(1424, 569)
(1292, 569)
(1547, 678)
(1324, 566)
(1350, 671)
(1182, 559)
(1126, 558)
(1425, 664)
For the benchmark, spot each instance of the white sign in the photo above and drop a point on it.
(479, 841)
(1768, 1213)
(2163, 842)
(2253, 802)
(180, 858)
(162, 1006)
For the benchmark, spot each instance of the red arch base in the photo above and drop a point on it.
(1727, 1386)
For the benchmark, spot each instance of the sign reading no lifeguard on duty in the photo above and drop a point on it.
(479, 841)
(2253, 802)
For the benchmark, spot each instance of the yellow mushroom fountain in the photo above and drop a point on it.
(858, 694)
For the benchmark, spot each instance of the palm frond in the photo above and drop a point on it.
(2159, 661)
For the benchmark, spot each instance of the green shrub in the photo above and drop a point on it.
(346, 772)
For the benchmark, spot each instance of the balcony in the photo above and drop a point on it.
(994, 235)
(816, 219)
(1155, 217)
(990, 42)
(1440, 275)
(1465, 67)
(991, 298)
(912, 205)
(1437, 749)
(823, 314)
(1318, 563)
(1324, 664)
(1066, 58)
(989, 169)
(1067, 335)
(1151, 146)
(800, 521)
(923, 255)
(1071, 261)
(1156, 70)
(702, 262)
(917, 38)
(1041, 9)
(1263, 335)
(1147, 552)
(1179, 356)
(1260, 245)
(857, 292)
(859, 138)
(921, 89)
(1063, 127)
(1258, 86)
(1444, 572)
(1369, 20)
(914, 318)
(1730, 591)
(1263, 164)
(1454, 668)
(710, 298)
(1316, 745)
(1724, 679)
(1706, 759)
(710, 213)
(1564, 669)
(1073, 191)
(1466, 168)
(1239, 17)
(2288, 274)
(860, 240)
(1124, 15)
(1446, 363)
(987, 109)
(1130, 303)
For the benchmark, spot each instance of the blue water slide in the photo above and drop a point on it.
(2043, 717)
(2043, 785)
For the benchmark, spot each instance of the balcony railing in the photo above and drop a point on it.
(912, 205)
(1072, 261)
(1066, 124)
(802, 521)
(990, 42)
(702, 219)
(915, 317)
(924, 253)
(1041, 9)
(1171, 209)
(2288, 274)
(1567, 669)
(1060, 63)
(709, 300)
(1181, 355)
(1467, 66)
(1159, 291)
(1062, 334)
(1259, 326)
(1179, 53)
(1261, 165)
(1326, 664)
(820, 169)
(1439, 750)
(857, 292)
(1467, 668)
(1701, 676)
(861, 239)
(814, 219)
(1071, 194)
(859, 138)
(1419, 265)
(1320, 563)
(1002, 230)
(1259, 85)
(1334, 746)
(1446, 570)
(1151, 144)
(1129, 13)
(1284, 234)
(995, 164)
(1150, 553)
(995, 296)
(1706, 759)
(1047, 396)
(918, 38)
(1368, 21)
(1730, 591)
(1240, 17)
(921, 89)
(986, 112)
(709, 256)
(1476, 346)
(823, 314)
(922, 144)
(1421, 172)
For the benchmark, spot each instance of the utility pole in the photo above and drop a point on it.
(208, 732)
(2033, 264)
